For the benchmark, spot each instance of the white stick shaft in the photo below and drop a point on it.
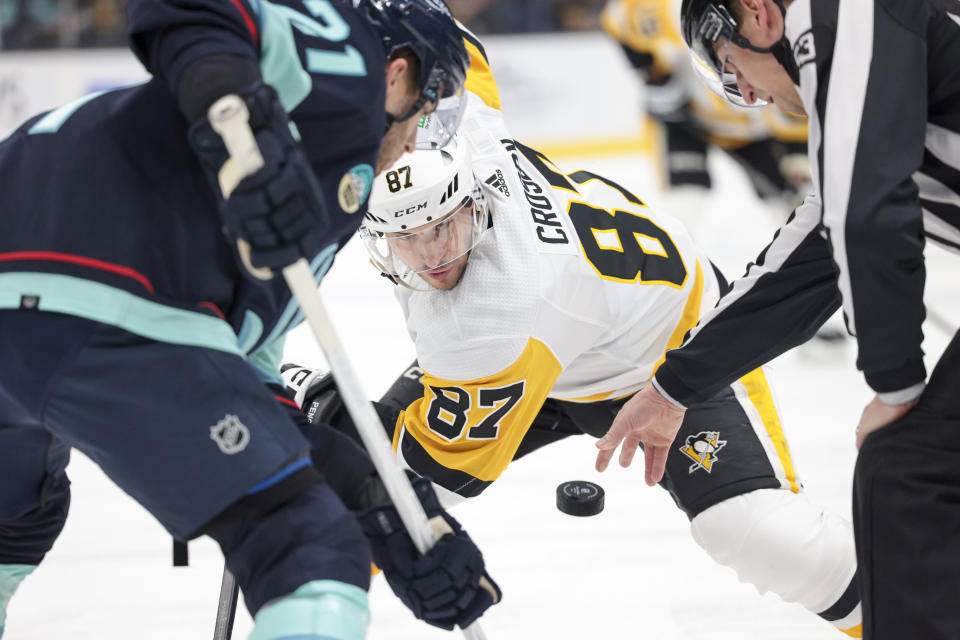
(229, 117)
(368, 424)
(365, 418)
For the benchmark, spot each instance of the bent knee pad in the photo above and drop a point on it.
(310, 537)
(11, 575)
(779, 541)
(318, 610)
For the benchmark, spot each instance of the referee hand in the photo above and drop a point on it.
(877, 415)
(649, 418)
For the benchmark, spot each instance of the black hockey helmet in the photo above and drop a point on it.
(704, 23)
(428, 29)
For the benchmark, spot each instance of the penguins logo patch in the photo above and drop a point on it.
(702, 449)
(231, 435)
(354, 187)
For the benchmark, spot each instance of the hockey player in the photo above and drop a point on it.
(769, 145)
(131, 329)
(538, 302)
(878, 81)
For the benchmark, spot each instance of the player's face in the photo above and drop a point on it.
(402, 94)
(760, 77)
(438, 251)
(447, 277)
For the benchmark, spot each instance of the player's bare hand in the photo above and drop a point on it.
(877, 415)
(649, 418)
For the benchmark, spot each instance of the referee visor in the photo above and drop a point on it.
(710, 41)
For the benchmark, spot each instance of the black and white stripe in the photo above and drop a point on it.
(882, 93)
(846, 100)
(939, 183)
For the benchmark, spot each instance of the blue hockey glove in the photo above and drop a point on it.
(279, 210)
(446, 587)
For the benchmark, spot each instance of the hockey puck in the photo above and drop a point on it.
(580, 498)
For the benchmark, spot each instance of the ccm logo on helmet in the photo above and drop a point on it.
(411, 209)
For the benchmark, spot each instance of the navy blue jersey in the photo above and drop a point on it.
(107, 213)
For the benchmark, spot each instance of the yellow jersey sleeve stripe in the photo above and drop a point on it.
(480, 79)
(854, 632)
(475, 427)
(689, 318)
(597, 397)
(397, 428)
(759, 393)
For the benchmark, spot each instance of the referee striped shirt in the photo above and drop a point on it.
(880, 81)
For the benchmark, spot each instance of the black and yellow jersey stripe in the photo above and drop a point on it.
(464, 433)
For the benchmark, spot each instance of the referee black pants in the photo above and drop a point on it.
(906, 513)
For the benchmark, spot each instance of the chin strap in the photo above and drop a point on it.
(412, 111)
(784, 55)
(783, 52)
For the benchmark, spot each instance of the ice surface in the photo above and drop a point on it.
(631, 572)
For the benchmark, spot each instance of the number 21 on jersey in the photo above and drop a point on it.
(328, 25)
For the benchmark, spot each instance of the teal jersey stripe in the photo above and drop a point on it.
(266, 361)
(250, 331)
(109, 305)
(52, 122)
(292, 315)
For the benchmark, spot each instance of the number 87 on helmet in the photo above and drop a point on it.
(426, 213)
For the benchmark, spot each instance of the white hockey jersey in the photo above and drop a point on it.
(575, 292)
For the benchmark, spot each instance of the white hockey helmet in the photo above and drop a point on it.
(424, 212)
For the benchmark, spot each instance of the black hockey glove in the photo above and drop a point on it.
(279, 210)
(314, 391)
(446, 587)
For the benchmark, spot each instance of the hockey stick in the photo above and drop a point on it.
(230, 118)
(226, 606)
